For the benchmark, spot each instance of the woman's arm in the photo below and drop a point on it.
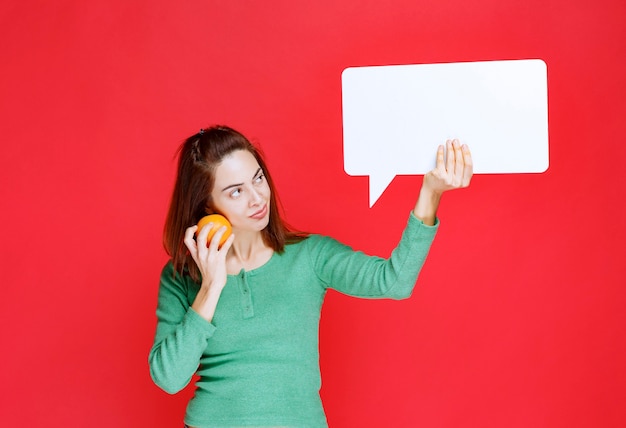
(183, 331)
(181, 336)
(453, 170)
(356, 274)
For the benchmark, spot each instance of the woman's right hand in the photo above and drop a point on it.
(211, 261)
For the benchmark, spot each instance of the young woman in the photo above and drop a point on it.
(244, 316)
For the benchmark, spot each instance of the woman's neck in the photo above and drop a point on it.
(249, 251)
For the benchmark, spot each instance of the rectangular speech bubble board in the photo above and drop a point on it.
(394, 117)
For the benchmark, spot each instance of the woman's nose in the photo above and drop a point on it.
(255, 197)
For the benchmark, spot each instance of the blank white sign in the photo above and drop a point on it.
(394, 117)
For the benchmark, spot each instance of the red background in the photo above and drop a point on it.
(518, 317)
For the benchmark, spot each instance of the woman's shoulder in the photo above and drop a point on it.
(170, 275)
(169, 270)
(316, 245)
(311, 239)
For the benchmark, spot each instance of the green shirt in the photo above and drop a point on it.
(258, 360)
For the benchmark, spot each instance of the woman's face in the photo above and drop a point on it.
(241, 192)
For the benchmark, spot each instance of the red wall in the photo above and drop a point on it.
(518, 318)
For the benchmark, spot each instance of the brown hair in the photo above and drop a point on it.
(198, 158)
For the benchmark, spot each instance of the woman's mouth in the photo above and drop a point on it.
(260, 213)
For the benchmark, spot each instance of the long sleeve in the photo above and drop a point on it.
(357, 274)
(181, 335)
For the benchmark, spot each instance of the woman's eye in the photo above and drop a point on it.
(235, 193)
(259, 179)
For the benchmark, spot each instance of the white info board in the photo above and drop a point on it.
(395, 116)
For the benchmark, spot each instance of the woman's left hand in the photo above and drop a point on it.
(454, 170)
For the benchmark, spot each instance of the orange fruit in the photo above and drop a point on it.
(218, 221)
